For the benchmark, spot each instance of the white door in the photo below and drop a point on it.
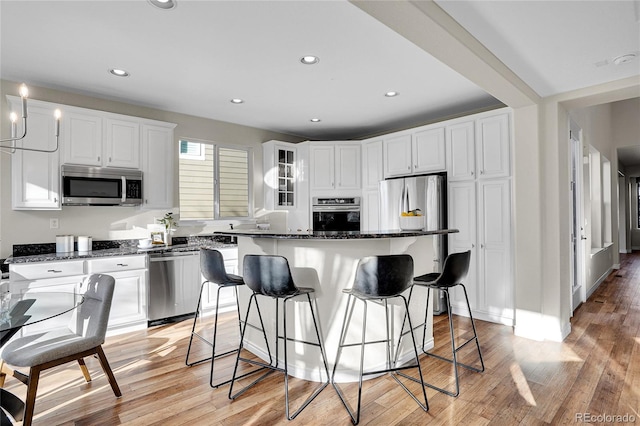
(578, 237)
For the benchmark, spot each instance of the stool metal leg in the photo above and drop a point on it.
(286, 364)
(262, 366)
(213, 346)
(454, 348)
(355, 417)
(193, 331)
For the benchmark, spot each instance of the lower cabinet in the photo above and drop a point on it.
(227, 296)
(481, 211)
(129, 306)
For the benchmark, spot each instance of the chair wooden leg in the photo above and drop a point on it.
(84, 369)
(107, 371)
(32, 387)
(3, 375)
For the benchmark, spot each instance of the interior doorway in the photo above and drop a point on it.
(578, 234)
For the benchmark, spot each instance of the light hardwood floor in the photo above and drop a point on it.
(595, 370)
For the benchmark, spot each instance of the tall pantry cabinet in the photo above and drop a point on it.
(479, 206)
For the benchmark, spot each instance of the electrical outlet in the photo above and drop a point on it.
(53, 223)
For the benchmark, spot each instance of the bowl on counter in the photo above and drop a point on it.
(411, 223)
(144, 243)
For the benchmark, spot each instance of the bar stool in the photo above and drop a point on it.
(455, 269)
(213, 271)
(378, 279)
(270, 276)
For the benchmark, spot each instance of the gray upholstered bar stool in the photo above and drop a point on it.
(378, 279)
(213, 271)
(270, 276)
(455, 269)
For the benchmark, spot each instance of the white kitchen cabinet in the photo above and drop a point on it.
(129, 306)
(479, 206)
(335, 166)
(479, 146)
(35, 176)
(372, 164)
(370, 211)
(481, 211)
(227, 296)
(419, 151)
(286, 181)
(428, 150)
(157, 165)
(495, 298)
(461, 157)
(493, 146)
(397, 155)
(63, 276)
(93, 138)
(82, 139)
(122, 143)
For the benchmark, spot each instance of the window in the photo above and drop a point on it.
(214, 181)
(192, 150)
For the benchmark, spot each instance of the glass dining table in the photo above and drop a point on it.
(23, 310)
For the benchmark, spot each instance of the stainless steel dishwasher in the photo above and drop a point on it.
(174, 286)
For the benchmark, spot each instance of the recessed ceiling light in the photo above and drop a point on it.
(391, 94)
(623, 59)
(164, 4)
(119, 72)
(309, 60)
(236, 101)
(315, 120)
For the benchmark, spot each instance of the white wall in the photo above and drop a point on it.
(22, 227)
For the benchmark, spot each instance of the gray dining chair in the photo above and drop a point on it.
(83, 337)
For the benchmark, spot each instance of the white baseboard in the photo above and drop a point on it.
(598, 282)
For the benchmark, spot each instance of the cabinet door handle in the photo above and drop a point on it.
(54, 271)
(415, 166)
(408, 167)
(122, 264)
(98, 158)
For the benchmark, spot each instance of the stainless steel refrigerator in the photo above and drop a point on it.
(427, 193)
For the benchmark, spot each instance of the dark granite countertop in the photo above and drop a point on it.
(44, 253)
(332, 235)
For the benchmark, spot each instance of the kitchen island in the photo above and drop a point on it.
(327, 262)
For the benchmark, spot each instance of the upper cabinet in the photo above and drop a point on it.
(122, 143)
(91, 139)
(35, 176)
(158, 155)
(286, 181)
(81, 136)
(335, 165)
(479, 147)
(418, 151)
(372, 164)
(461, 146)
(493, 146)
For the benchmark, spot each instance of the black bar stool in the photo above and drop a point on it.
(271, 276)
(213, 271)
(378, 279)
(455, 269)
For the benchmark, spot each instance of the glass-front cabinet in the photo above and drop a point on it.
(286, 177)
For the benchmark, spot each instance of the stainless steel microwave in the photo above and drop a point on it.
(100, 186)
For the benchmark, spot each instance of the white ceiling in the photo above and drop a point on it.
(195, 58)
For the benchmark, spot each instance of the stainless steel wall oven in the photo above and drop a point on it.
(336, 214)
